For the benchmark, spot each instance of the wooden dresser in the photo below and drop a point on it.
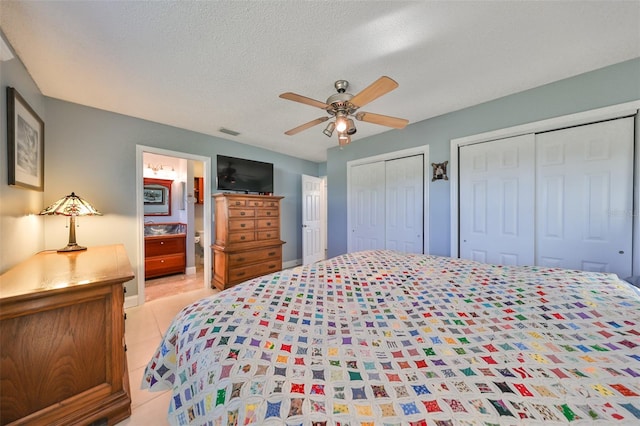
(165, 254)
(62, 353)
(247, 242)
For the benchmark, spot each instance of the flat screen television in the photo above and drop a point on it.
(249, 176)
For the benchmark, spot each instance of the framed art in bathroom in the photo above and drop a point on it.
(25, 143)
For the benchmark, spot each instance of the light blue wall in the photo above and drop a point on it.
(93, 153)
(21, 230)
(608, 86)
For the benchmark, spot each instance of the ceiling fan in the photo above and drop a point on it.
(343, 106)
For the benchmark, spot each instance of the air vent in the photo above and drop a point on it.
(229, 132)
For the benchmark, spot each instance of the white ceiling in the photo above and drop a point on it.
(208, 65)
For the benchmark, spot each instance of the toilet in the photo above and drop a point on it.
(200, 238)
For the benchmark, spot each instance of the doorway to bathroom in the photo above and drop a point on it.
(183, 224)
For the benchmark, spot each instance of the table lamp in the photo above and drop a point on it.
(72, 206)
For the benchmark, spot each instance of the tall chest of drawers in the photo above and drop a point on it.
(247, 241)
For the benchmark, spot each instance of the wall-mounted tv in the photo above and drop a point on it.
(239, 174)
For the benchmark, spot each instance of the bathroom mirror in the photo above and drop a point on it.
(157, 197)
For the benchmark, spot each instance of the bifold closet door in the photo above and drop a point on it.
(404, 200)
(585, 197)
(367, 182)
(386, 205)
(497, 201)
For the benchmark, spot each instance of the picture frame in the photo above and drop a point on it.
(154, 195)
(439, 171)
(25, 143)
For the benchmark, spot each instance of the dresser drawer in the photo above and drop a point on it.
(254, 203)
(237, 275)
(267, 213)
(233, 213)
(160, 246)
(269, 235)
(241, 225)
(254, 256)
(267, 224)
(164, 265)
(238, 202)
(242, 237)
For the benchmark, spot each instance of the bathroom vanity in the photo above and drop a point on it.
(164, 249)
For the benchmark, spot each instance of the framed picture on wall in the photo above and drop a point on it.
(25, 143)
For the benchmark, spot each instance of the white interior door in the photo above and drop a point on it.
(404, 189)
(497, 201)
(312, 247)
(585, 197)
(367, 210)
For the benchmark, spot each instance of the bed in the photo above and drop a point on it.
(386, 338)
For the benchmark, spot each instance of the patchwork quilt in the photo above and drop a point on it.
(386, 338)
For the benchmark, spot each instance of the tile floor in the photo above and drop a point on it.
(143, 330)
(173, 284)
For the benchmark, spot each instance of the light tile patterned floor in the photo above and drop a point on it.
(172, 284)
(143, 331)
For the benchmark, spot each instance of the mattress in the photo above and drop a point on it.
(386, 338)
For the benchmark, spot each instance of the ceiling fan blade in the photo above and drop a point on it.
(305, 126)
(376, 89)
(303, 100)
(383, 120)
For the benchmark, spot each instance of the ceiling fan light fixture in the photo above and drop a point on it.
(344, 139)
(351, 127)
(341, 122)
(329, 129)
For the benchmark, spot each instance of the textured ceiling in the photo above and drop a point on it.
(208, 65)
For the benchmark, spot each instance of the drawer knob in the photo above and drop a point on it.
(162, 261)
(242, 238)
(268, 223)
(161, 242)
(272, 266)
(237, 203)
(242, 225)
(268, 213)
(268, 235)
(272, 253)
(241, 259)
(242, 213)
(240, 274)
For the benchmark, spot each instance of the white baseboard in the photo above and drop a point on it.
(191, 270)
(291, 263)
(131, 301)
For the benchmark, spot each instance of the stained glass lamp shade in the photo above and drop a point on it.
(71, 206)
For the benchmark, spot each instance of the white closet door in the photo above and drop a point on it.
(312, 248)
(584, 192)
(497, 201)
(404, 204)
(367, 209)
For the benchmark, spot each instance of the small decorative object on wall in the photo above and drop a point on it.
(440, 171)
(25, 143)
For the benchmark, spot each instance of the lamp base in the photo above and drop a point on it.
(71, 247)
